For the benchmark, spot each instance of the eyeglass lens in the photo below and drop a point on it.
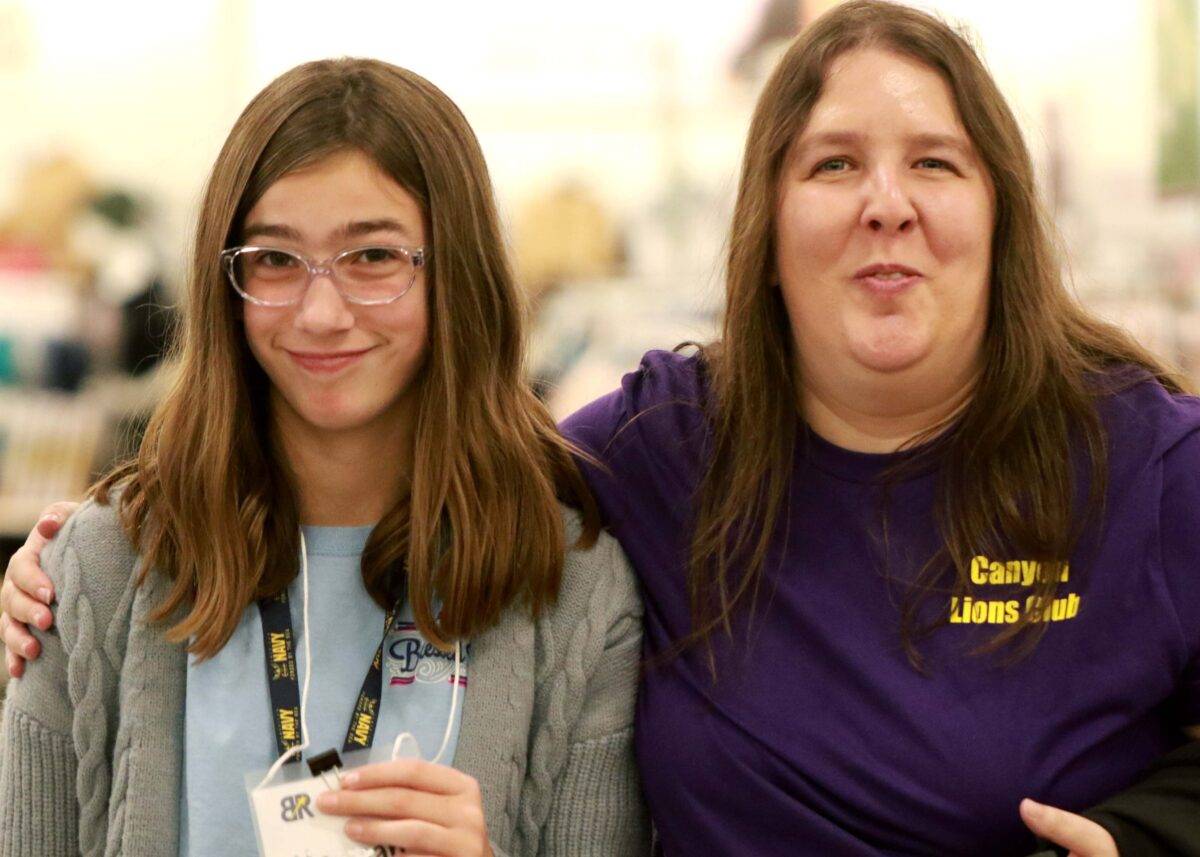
(366, 274)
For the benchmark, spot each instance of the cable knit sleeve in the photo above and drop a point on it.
(583, 745)
(39, 813)
(59, 718)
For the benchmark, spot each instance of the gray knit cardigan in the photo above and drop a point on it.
(92, 748)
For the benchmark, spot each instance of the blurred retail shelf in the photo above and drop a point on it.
(53, 444)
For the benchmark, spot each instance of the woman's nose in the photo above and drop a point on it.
(887, 208)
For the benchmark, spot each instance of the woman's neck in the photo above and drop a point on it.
(348, 477)
(884, 416)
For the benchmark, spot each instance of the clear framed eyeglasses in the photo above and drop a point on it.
(268, 276)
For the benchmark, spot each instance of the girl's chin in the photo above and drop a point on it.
(334, 418)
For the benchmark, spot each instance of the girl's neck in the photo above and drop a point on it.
(348, 477)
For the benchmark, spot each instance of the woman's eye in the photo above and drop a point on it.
(833, 165)
(933, 164)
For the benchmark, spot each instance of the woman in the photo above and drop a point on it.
(914, 536)
(944, 520)
(350, 402)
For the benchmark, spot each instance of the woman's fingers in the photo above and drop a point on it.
(22, 610)
(1079, 835)
(14, 664)
(19, 644)
(24, 572)
(52, 519)
(25, 575)
(28, 592)
(17, 639)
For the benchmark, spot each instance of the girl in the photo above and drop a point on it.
(349, 403)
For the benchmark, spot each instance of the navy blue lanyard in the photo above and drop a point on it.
(279, 647)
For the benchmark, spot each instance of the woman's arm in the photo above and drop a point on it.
(1160, 815)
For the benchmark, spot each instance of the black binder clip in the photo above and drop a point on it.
(322, 763)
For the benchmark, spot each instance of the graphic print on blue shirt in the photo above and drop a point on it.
(412, 659)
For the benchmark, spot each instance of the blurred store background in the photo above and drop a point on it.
(613, 132)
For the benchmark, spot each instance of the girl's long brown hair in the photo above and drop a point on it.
(208, 499)
(1006, 480)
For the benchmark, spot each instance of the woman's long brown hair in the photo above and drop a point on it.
(1006, 480)
(209, 501)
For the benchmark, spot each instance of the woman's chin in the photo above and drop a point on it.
(889, 346)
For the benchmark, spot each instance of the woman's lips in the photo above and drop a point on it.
(888, 285)
(326, 363)
(886, 280)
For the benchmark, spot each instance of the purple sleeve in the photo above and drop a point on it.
(592, 427)
(1179, 534)
(647, 436)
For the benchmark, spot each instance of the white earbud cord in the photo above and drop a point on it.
(303, 745)
(449, 720)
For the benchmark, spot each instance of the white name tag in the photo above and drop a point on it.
(290, 825)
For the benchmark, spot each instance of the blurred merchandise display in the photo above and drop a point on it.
(591, 333)
(48, 448)
(83, 325)
(562, 236)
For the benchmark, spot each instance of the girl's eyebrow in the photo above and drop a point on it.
(269, 230)
(354, 229)
(358, 228)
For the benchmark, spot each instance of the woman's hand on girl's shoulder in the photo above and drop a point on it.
(27, 593)
(419, 806)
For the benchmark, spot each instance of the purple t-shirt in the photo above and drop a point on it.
(818, 737)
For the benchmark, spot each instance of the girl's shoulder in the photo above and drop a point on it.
(598, 584)
(91, 560)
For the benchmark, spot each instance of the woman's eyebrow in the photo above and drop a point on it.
(854, 138)
(949, 141)
(831, 138)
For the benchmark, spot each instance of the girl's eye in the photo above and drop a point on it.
(276, 259)
(374, 256)
(933, 164)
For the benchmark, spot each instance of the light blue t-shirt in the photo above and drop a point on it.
(228, 726)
